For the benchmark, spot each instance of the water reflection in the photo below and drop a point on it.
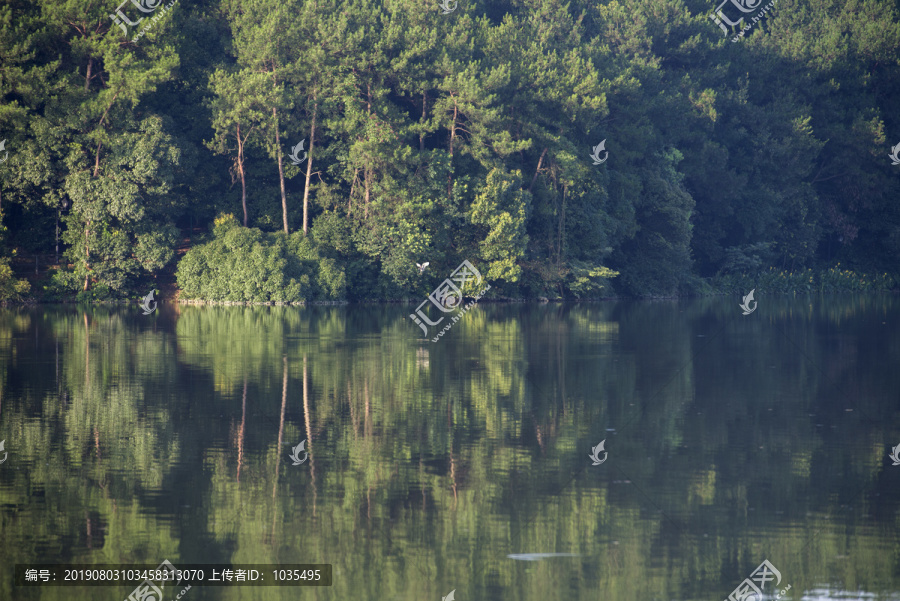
(539, 556)
(435, 466)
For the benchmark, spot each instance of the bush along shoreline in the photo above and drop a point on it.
(771, 282)
(775, 281)
(245, 266)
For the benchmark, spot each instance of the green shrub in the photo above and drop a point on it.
(807, 280)
(10, 287)
(586, 280)
(247, 265)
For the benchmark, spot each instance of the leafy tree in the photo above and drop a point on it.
(442, 137)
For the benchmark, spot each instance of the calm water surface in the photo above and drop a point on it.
(728, 440)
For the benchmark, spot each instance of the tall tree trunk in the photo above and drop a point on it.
(538, 170)
(97, 160)
(453, 127)
(561, 229)
(280, 170)
(87, 251)
(87, 255)
(312, 141)
(87, 78)
(367, 174)
(366, 205)
(352, 189)
(422, 121)
(452, 138)
(241, 172)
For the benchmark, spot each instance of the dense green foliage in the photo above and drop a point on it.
(11, 288)
(442, 137)
(831, 280)
(247, 265)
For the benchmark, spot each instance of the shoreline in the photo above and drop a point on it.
(500, 300)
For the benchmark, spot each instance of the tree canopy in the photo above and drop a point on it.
(445, 137)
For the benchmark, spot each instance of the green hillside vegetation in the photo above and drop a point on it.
(442, 138)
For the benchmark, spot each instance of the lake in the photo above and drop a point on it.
(472, 465)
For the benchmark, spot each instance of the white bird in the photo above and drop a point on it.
(422, 267)
(449, 597)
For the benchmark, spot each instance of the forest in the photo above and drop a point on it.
(318, 150)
